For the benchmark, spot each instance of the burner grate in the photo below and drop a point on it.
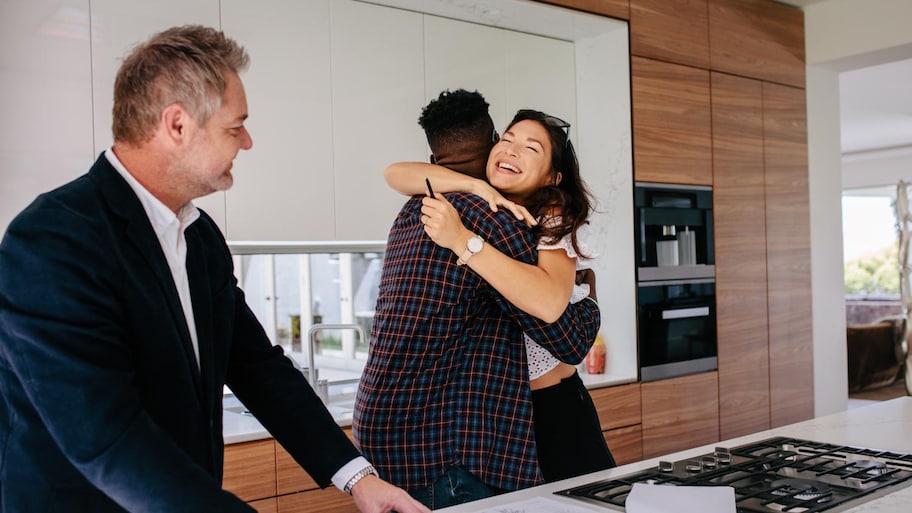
(774, 475)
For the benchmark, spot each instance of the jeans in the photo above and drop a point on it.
(456, 486)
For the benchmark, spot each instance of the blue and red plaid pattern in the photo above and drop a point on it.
(446, 380)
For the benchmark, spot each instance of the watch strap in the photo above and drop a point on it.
(366, 471)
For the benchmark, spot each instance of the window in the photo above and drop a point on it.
(870, 254)
(322, 295)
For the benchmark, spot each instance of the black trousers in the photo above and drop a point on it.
(568, 433)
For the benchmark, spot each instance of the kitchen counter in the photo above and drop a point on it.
(242, 427)
(886, 425)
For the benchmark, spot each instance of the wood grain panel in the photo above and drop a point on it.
(626, 444)
(671, 123)
(759, 39)
(739, 213)
(290, 477)
(670, 30)
(250, 469)
(617, 406)
(330, 500)
(270, 505)
(614, 8)
(680, 413)
(788, 255)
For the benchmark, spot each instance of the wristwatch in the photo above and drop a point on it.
(364, 472)
(473, 246)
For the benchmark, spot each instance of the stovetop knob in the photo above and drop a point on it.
(694, 465)
(723, 455)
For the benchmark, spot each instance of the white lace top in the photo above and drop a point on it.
(540, 360)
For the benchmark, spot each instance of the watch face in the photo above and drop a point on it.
(475, 244)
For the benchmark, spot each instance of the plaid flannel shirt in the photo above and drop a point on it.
(446, 381)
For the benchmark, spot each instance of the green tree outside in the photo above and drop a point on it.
(874, 273)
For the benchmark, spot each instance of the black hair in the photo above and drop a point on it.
(570, 198)
(454, 118)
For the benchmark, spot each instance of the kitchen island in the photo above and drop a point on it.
(886, 426)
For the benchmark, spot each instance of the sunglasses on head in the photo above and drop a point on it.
(552, 121)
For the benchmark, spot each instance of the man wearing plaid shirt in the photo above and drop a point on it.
(444, 408)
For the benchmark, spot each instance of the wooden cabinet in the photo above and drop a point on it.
(619, 413)
(680, 413)
(626, 444)
(788, 241)
(739, 212)
(759, 39)
(671, 123)
(289, 172)
(249, 470)
(670, 30)
(265, 475)
(330, 500)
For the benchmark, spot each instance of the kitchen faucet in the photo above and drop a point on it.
(311, 333)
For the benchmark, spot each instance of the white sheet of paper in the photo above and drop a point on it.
(647, 498)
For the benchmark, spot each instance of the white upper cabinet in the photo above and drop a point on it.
(378, 92)
(46, 138)
(117, 26)
(513, 70)
(283, 186)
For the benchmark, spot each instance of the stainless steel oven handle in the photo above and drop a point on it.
(685, 313)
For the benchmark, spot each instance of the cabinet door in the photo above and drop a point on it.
(739, 214)
(759, 39)
(671, 123)
(680, 413)
(283, 185)
(47, 99)
(117, 25)
(504, 66)
(290, 477)
(626, 444)
(670, 30)
(330, 500)
(617, 406)
(250, 469)
(788, 255)
(378, 93)
(270, 505)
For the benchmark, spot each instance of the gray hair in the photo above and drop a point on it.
(185, 65)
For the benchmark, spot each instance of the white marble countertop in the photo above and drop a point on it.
(240, 427)
(886, 425)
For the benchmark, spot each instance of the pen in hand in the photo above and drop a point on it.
(429, 188)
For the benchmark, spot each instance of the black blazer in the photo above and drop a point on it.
(102, 406)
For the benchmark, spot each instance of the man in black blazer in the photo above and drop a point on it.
(121, 319)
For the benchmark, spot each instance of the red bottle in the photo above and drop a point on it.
(595, 359)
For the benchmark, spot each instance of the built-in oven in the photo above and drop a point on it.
(676, 299)
(676, 328)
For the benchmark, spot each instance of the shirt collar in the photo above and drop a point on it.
(158, 213)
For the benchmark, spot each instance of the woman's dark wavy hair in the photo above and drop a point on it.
(570, 199)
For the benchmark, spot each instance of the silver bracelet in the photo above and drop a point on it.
(364, 472)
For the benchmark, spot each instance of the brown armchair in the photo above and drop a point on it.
(875, 353)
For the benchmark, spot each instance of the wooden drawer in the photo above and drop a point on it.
(617, 406)
(330, 500)
(290, 477)
(270, 505)
(680, 413)
(626, 444)
(250, 469)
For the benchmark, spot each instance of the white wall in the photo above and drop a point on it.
(840, 35)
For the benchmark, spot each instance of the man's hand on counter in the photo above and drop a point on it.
(373, 495)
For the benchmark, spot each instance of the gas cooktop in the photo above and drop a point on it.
(773, 475)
